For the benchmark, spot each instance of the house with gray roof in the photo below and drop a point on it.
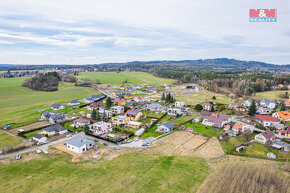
(155, 107)
(39, 138)
(166, 127)
(74, 102)
(53, 130)
(57, 118)
(79, 144)
(57, 106)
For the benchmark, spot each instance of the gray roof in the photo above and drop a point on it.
(282, 143)
(58, 116)
(55, 128)
(56, 105)
(79, 141)
(97, 97)
(74, 101)
(38, 136)
(168, 124)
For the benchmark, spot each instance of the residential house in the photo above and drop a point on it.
(54, 130)
(237, 128)
(100, 128)
(265, 137)
(240, 108)
(117, 93)
(119, 101)
(132, 104)
(268, 104)
(216, 120)
(197, 88)
(133, 124)
(282, 132)
(79, 144)
(264, 111)
(128, 96)
(277, 125)
(95, 105)
(139, 99)
(155, 107)
(168, 86)
(46, 115)
(160, 88)
(80, 122)
(53, 117)
(286, 102)
(57, 107)
(134, 115)
(74, 103)
(109, 113)
(129, 89)
(98, 97)
(139, 132)
(248, 102)
(232, 106)
(89, 100)
(123, 87)
(120, 120)
(266, 120)
(190, 87)
(283, 145)
(207, 106)
(174, 111)
(282, 115)
(39, 138)
(178, 104)
(118, 110)
(166, 127)
(138, 87)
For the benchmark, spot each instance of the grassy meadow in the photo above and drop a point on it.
(140, 78)
(19, 104)
(133, 172)
(7, 140)
(270, 95)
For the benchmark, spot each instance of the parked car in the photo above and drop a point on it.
(105, 144)
(129, 141)
(96, 140)
(136, 139)
(116, 147)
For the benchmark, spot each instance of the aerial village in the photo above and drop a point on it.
(125, 117)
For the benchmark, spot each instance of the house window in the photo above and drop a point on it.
(68, 146)
(84, 149)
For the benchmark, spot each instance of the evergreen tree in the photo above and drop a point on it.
(97, 115)
(94, 114)
(108, 102)
(214, 98)
(283, 107)
(171, 99)
(212, 109)
(86, 129)
(163, 97)
(104, 116)
(198, 107)
(252, 109)
(168, 97)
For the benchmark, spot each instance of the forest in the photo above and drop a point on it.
(43, 82)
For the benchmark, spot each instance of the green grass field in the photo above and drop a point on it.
(127, 173)
(202, 129)
(183, 119)
(270, 95)
(19, 104)
(133, 78)
(202, 96)
(7, 140)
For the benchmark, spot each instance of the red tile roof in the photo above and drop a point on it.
(267, 118)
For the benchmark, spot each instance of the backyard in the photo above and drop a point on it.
(7, 140)
(202, 129)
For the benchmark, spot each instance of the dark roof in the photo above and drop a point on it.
(58, 116)
(55, 128)
(168, 124)
(74, 101)
(38, 136)
(268, 134)
(97, 97)
(56, 105)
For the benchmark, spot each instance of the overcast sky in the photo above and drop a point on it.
(97, 31)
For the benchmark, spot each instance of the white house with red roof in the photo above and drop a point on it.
(266, 121)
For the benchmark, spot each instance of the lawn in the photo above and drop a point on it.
(32, 133)
(202, 96)
(19, 104)
(183, 119)
(202, 129)
(233, 142)
(270, 95)
(154, 114)
(133, 172)
(133, 78)
(7, 140)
